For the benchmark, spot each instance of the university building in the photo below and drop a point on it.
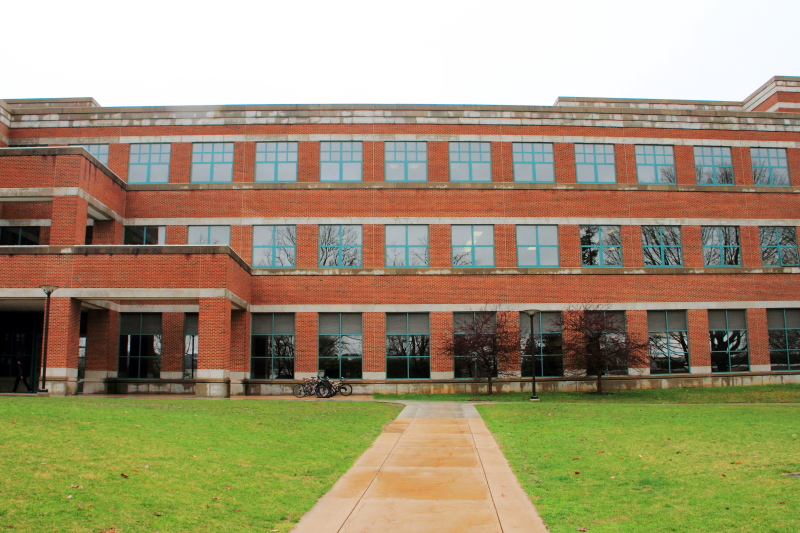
(230, 250)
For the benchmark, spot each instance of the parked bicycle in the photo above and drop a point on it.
(322, 388)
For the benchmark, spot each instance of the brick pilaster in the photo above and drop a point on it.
(68, 225)
(699, 347)
(438, 161)
(684, 165)
(758, 339)
(374, 325)
(172, 345)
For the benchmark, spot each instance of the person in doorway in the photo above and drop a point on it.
(20, 377)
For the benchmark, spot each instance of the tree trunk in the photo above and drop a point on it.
(600, 383)
(489, 384)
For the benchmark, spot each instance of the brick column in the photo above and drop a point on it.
(214, 341)
(502, 162)
(102, 350)
(442, 366)
(244, 162)
(177, 234)
(632, 255)
(108, 232)
(684, 165)
(505, 250)
(570, 338)
(625, 162)
(308, 161)
(692, 246)
(636, 328)
(172, 345)
(439, 246)
(118, 157)
(374, 346)
(180, 163)
(742, 166)
(240, 351)
(373, 245)
(68, 226)
(372, 166)
(750, 246)
(793, 157)
(438, 161)
(62, 346)
(569, 245)
(307, 246)
(564, 158)
(305, 349)
(511, 367)
(758, 340)
(242, 242)
(699, 347)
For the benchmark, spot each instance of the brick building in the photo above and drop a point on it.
(227, 250)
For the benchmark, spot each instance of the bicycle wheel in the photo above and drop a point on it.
(346, 389)
(298, 391)
(324, 391)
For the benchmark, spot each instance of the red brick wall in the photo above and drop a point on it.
(374, 325)
(240, 341)
(305, 350)
(64, 333)
(102, 340)
(214, 332)
(172, 342)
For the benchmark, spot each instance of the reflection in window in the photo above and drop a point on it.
(468, 329)
(190, 345)
(713, 165)
(149, 163)
(210, 235)
(340, 161)
(661, 245)
(537, 246)
(212, 162)
(473, 246)
(770, 166)
(406, 246)
(274, 246)
(614, 328)
(140, 345)
(778, 245)
(408, 346)
(19, 235)
(594, 163)
(470, 161)
(655, 164)
(728, 335)
(547, 344)
(669, 342)
(784, 339)
(340, 246)
(406, 161)
(601, 246)
(276, 161)
(721, 246)
(272, 346)
(340, 345)
(533, 162)
(145, 235)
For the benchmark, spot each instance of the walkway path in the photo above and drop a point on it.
(434, 468)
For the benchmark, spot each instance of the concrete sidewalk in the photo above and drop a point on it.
(435, 468)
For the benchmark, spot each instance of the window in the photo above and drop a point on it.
(99, 151)
(473, 246)
(140, 345)
(406, 246)
(276, 161)
(408, 346)
(190, 345)
(778, 246)
(669, 342)
(601, 246)
(149, 163)
(340, 345)
(770, 166)
(212, 235)
(713, 165)
(728, 335)
(784, 339)
(661, 245)
(721, 246)
(594, 163)
(655, 164)
(614, 328)
(537, 246)
(340, 246)
(212, 162)
(340, 161)
(470, 161)
(406, 161)
(272, 346)
(546, 344)
(145, 235)
(475, 324)
(274, 246)
(19, 235)
(533, 162)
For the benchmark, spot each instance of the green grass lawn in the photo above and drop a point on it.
(628, 467)
(129, 465)
(750, 394)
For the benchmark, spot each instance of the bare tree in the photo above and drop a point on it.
(595, 339)
(485, 344)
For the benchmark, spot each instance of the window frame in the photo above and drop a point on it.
(778, 247)
(474, 370)
(480, 149)
(152, 362)
(19, 232)
(161, 235)
(701, 152)
(276, 246)
(339, 345)
(539, 156)
(789, 350)
(340, 247)
(208, 230)
(727, 334)
(721, 236)
(649, 152)
(537, 245)
(271, 339)
(101, 155)
(408, 342)
(538, 338)
(407, 255)
(595, 164)
(662, 248)
(149, 165)
(668, 333)
(226, 150)
(326, 147)
(472, 247)
(263, 163)
(390, 156)
(601, 248)
(769, 168)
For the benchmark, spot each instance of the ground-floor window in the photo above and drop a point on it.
(546, 344)
(408, 346)
(140, 345)
(668, 335)
(341, 345)
(728, 336)
(472, 336)
(190, 347)
(784, 339)
(272, 346)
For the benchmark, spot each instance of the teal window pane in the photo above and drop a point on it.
(272, 343)
(406, 161)
(276, 161)
(99, 151)
(655, 164)
(721, 246)
(600, 246)
(594, 163)
(668, 342)
(209, 235)
(784, 339)
(537, 246)
(408, 342)
(470, 161)
(340, 345)
(340, 161)
(546, 345)
(149, 163)
(466, 363)
(340, 246)
(533, 162)
(778, 246)
(770, 166)
(713, 165)
(212, 162)
(472, 246)
(274, 246)
(727, 330)
(406, 246)
(661, 246)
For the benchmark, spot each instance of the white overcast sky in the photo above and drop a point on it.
(440, 52)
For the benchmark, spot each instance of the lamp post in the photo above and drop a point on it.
(48, 290)
(532, 313)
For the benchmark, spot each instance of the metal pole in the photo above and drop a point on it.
(43, 388)
(534, 398)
